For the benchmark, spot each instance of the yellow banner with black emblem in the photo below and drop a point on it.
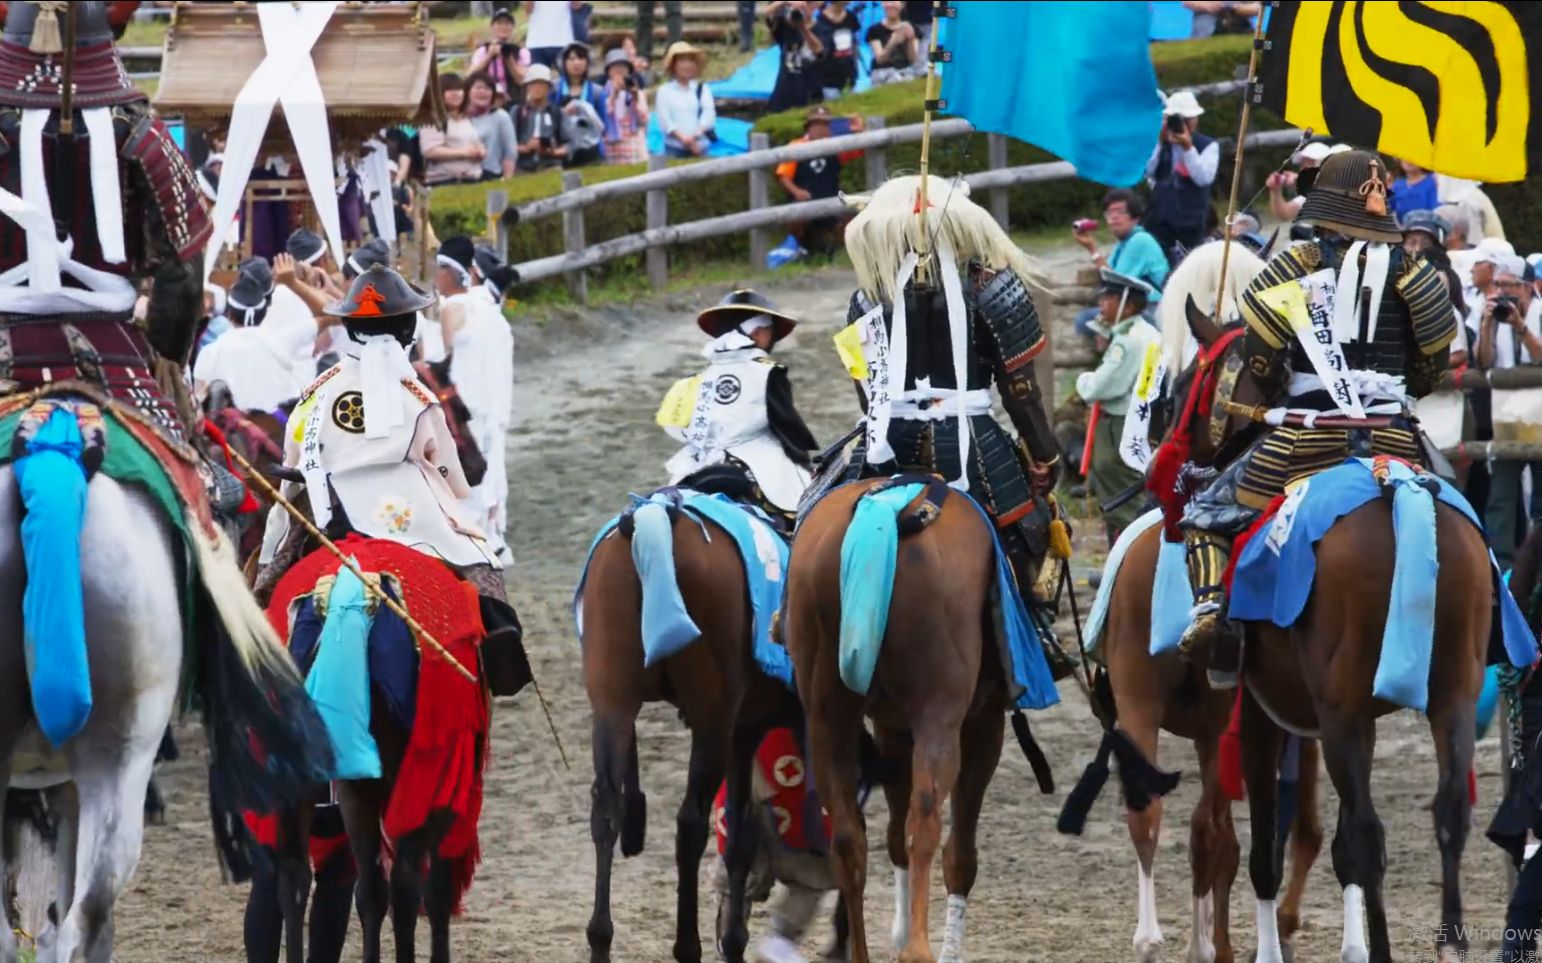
(1450, 86)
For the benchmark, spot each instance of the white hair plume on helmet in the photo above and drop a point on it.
(889, 227)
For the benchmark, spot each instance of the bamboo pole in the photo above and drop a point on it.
(1236, 173)
(372, 586)
(923, 251)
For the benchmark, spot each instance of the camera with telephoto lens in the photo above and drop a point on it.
(632, 83)
(508, 49)
(1176, 124)
(792, 14)
(1504, 307)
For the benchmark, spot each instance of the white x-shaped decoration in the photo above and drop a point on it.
(286, 76)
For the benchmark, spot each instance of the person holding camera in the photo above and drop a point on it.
(538, 124)
(1181, 171)
(792, 30)
(501, 58)
(626, 111)
(1509, 335)
(687, 113)
(1136, 253)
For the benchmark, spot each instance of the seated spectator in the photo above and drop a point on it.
(453, 155)
(1416, 190)
(1136, 253)
(538, 124)
(918, 13)
(583, 107)
(1181, 171)
(838, 30)
(815, 179)
(626, 111)
(1213, 17)
(687, 114)
(896, 52)
(791, 23)
(501, 58)
(494, 127)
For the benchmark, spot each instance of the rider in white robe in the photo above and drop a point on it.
(481, 351)
(736, 419)
(372, 437)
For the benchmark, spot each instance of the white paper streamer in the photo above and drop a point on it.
(42, 245)
(383, 365)
(958, 331)
(106, 194)
(290, 32)
(880, 451)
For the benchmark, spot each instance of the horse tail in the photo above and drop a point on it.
(52, 483)
(666, 625)
(869, 557)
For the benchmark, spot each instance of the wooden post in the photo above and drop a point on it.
(573, 238)
(760, 196)
(657, 258)
(996, 159)
(877, 158)
(497, 203)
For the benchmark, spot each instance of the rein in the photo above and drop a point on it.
(1164, 479)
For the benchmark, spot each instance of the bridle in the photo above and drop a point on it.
(1168, 478)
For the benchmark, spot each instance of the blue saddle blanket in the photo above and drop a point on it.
(1171, 596)
(1276, 570)
(1032, 685)
(763, 551)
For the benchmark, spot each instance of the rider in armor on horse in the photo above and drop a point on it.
(1374, 339)
(930, 335)
(743, 435)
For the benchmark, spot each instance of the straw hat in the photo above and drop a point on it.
(818, 114)
(740, 306)
(1349, 195)
(1182, 104)
(537, 74)
(682, 49)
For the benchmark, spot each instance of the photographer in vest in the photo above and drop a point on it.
(1180, 172)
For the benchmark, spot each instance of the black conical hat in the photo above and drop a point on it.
(379, 293)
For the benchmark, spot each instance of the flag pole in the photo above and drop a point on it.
(928, 105)
(1236, 174)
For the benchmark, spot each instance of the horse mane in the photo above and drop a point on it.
(1198, 276)
(889, 227)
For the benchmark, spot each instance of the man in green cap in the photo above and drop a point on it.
(1123, 336)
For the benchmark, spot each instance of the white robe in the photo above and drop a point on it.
(482, 370)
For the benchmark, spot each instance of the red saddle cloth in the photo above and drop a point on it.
(781, 767)
(446, 755)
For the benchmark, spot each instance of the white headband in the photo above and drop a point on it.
(456, 266)
(751, 325)
(314, 257)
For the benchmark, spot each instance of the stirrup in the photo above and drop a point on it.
(1223, 669)
(1203, 625)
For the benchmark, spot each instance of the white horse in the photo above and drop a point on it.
(133, 563)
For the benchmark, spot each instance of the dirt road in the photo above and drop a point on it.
(586, 392)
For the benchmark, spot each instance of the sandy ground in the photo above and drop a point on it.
(586, 392)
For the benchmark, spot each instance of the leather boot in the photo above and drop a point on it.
(1211, 635)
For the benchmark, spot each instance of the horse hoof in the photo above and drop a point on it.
(1148, 949)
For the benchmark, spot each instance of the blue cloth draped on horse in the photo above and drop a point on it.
(866, 594)
(666, 626)
(1276, 570)
(1171, 595)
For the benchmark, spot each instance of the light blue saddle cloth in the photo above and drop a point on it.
(1171, 596)
(666, 626)
(1276, 570)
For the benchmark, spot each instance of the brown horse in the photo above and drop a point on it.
(1315, 678)
(937, 689)
(1166, 692)
(713, 681)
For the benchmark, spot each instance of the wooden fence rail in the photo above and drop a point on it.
(659, 235)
